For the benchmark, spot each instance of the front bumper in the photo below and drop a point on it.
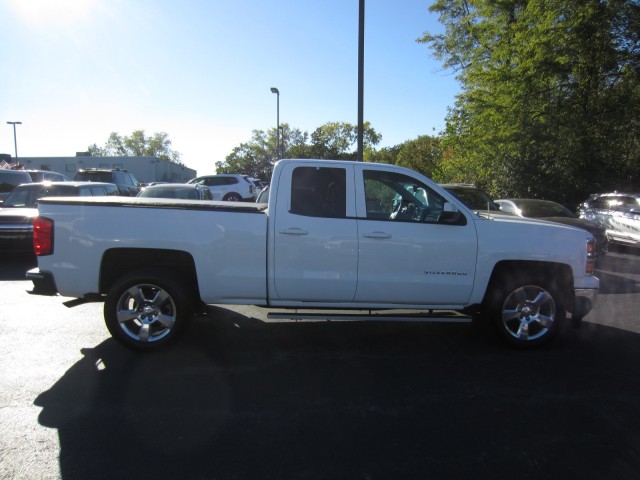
(584, 299)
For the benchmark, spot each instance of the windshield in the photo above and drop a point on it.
(93, 177)
(539, 209)
(473, 198)
(28, 197)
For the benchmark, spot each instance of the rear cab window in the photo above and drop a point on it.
(319, 192)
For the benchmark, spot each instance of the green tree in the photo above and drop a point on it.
(422, 155)
(334, 140)
(257, 157)
(387, 155)
(137, 145)
(337, 140)
(547, 88)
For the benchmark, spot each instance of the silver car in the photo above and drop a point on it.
(21, 207)
(618, 213)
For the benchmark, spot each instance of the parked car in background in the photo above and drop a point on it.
(47, 176)
(473, 197)
(21, 207)
(555, 212)
(228, 187)
(617, 213)
(264, 195)
(9, 179)
(128, 185)
(260, 185)
(184, 191)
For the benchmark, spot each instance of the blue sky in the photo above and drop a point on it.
(76, 70)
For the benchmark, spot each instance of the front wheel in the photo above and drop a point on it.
(527, 312)
(147, 309)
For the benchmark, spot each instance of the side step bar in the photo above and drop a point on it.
(431, 316)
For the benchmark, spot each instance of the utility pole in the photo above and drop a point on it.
(361, 83)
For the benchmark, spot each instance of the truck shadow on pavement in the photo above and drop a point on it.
(15, 267)
(239, 398)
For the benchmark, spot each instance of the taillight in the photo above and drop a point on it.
(591, 257)
(43, 236)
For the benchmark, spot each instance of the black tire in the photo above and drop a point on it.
(147, 309)
(527, 311)
(232, 197)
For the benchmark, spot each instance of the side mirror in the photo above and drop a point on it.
(451, 215)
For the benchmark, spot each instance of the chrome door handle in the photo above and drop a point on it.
(377, 235)
(294, 231)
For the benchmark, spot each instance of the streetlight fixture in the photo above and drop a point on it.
(277, 92)
(15, 142)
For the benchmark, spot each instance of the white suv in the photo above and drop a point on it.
(228, 187)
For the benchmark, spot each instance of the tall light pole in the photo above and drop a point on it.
(361, 81)
(15, 142)
(277, 92)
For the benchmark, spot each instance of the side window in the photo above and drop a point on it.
(628, 202)
(616, 203)
(214, 181)
(507, 207)
(397, 197)
(319, 192)
(599, 203)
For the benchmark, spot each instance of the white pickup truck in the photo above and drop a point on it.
(335, 237)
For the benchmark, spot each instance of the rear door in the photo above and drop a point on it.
(314, 237)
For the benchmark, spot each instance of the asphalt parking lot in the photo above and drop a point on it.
(245, 398)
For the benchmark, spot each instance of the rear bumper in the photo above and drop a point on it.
(16, 239)
(43, 282)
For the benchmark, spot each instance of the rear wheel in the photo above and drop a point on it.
(527, 311)
(232, 197)
(147, 309)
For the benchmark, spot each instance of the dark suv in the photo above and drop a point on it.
(128, 185)
(10, 179)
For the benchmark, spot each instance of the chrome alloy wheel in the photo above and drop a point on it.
(528, 313)
(146, 313)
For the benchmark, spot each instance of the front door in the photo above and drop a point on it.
(409, 254)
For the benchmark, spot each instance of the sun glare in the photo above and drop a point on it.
(63, 13)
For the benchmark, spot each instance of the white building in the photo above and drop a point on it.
(146, 169)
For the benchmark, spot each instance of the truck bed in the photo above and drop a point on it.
(158, 203)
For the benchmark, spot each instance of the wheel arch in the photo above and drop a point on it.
(228, 195)
(117, 262)
(558, 274)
